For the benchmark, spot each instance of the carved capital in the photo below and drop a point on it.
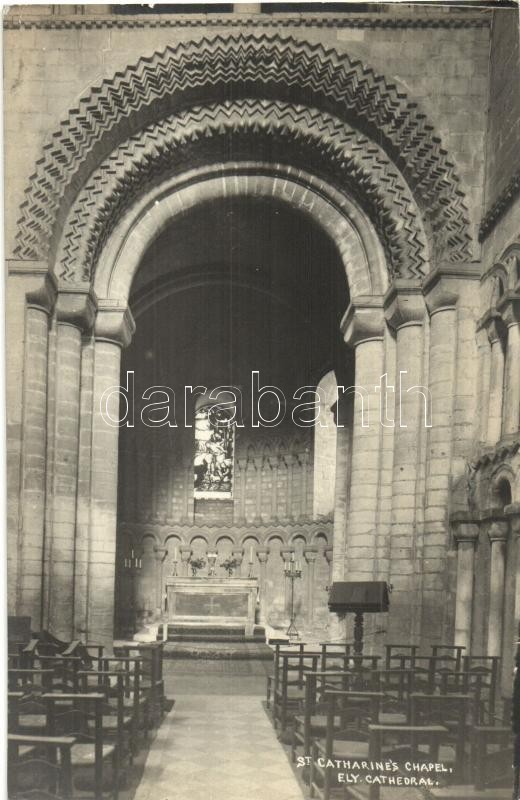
(43, 296)
(495, 523)
(263, 554)
(465, 532)
(404, 304)
(238, 554)
(498, 530)
(493, 324)
(328, 553)
(441, 287)
(185, 551)
(509, 308)
(287, 553)
(114, 324)
(363, 321)
(76, 307)
(512, 513)
(310, 554)
(160, 552)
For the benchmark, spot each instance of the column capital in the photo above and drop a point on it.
(114, 323)
(493, 324)
(310, 553)
(497, 529)
(512, 513)
(328, 553)
(43, 296)
(509, 308)
(441, 287)
(363, 321)
(404, 304)
(287, 553)
(465, 529)
(185, 551)
(160, 552)
(262, 554)
(76, 307)
(238, 554)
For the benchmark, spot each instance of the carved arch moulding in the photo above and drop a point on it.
(299, 135)
(348, 95)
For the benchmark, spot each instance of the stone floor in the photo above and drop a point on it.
(217, 743)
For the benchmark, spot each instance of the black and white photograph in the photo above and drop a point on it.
(262, 400)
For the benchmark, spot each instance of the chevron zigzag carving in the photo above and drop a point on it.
(249, 66)
(351, 158)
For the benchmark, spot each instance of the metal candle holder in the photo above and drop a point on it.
(292, 572)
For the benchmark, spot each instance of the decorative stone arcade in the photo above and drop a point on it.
(105, 190)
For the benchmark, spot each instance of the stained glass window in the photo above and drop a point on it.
(214, 447)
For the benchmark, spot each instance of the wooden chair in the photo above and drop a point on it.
(113, 684)
(151, 674)
(33, 755)
(289, 686)
(81, 715)
(273, 677)
(400, 656)
(311, 722)
(343, 740)
(453, 712)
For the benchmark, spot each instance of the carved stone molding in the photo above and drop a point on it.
(363, 321)
(501, 205)
(263, 66)
(404, 304)
(139, 21)
(290, 135)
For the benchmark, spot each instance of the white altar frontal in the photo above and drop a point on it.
(212, 601)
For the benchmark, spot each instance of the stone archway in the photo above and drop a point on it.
(92, 232)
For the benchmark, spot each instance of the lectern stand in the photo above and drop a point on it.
(358, 597)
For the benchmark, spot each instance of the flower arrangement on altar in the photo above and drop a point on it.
(196, 564)
(230, 564)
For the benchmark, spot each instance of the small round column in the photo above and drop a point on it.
(185, 551)
(466, 533)
(310, 554)
(287, 554)
(495, 330)
(510, 310)
(263, 555)
(160, 556)
(497, 532)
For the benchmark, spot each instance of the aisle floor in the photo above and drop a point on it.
(217, 743)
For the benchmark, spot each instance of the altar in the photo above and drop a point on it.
(212, 601)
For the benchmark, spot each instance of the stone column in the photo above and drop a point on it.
(441, 295)
(465, 533)
(185, 551)
(263, 554)
(34, 439)
(497, 532)
(75, 312)
(239, 505)
(363, 329)
(405, 313)
(274, 491)
(113, 330)
(310, 553)
(509, 307)
(495, 329)
(160, 555)
(512, 513)
(343, 413)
